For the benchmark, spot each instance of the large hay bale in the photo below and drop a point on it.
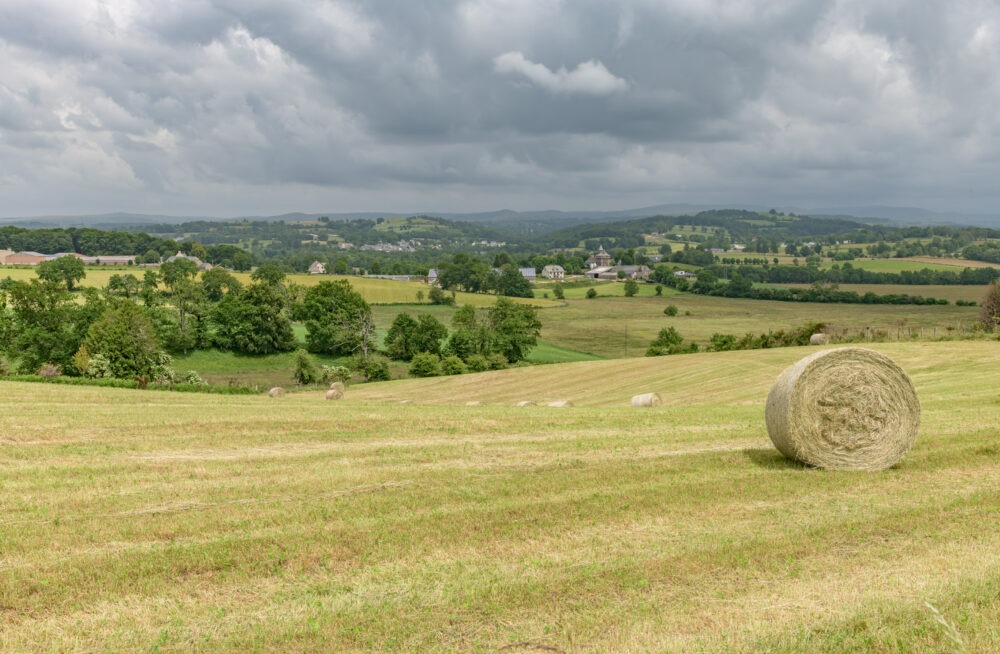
(819, 339)
(338, 386)
(334, 394)
(844, 409)
(561, 404)
(525, 403)
(647, 399)
(277, 391)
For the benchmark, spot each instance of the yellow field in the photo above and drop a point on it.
(375, 291)
(168, 522)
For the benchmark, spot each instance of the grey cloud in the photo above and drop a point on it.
(141, 105)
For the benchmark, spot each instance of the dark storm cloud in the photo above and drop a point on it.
(230, 106)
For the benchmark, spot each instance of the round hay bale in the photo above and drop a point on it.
(844, 409)
(561, 404)
(474, 403)
(525, 403)
(338, 386)
(277, 391)
(647, 399)
(819, 339)
(334, 394)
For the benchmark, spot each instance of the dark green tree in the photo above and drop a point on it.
(254, 321)
(67, 270)
(124, 336)
(990, 311)
(514, 327)
(217, 282)
(512, 283)
(631, 287)
(338, 319)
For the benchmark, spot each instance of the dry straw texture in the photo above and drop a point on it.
(338, 386)
(561, 404)
(844, 409)
(525, 403)
(277, 391)
(473, 403)
(334, 394)
(819, 339)
(647, 399)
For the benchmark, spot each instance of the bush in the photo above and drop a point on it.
(671, 310)
(98, 367)
(557, 291)
(330, 374)
(591, 293)
(659, 289)
(453, 366)
(425, 364)
(497, 361)
(477, 363)
(374, 368)
(192, 378)
(49, 370)
(305, 370)
(438, 296)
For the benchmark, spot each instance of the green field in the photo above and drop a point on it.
(898, 265)
(612, 325)
(169, 522)
(950, 292)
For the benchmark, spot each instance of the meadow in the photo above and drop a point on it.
(170, 522)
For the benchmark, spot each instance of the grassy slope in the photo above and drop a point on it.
(600, 325)
(169, 522)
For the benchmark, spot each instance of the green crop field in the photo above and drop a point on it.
(612, 325)
(170, 522)
(900, 265)
(948, 292)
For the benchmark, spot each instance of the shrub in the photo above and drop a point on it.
(438, 296)
(557, 291)
(477, 363)
(330, 374)
(193, 378)
(49, 370)
(98, 367)
(659, 289)
(591, 293)
(453, 366)
(305, 370)
(425, 364)
(497, 361)
(671, 310)
(374, 368)
(631, 288)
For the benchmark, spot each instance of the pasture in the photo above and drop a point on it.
(168, 522)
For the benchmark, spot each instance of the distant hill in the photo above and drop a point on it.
(522, 223)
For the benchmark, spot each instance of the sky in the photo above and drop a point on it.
(258, 107)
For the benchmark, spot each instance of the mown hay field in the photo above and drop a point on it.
(151, 521)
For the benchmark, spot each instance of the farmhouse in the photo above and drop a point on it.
(198, 262)
(317, 268)
(553, 272)
(612, 272)
(24, 259)
(432, 276)
(684, 274)
(599, 260)
(527, 273)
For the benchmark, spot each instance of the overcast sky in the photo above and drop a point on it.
(229, 107)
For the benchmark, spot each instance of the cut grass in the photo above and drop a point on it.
(148, 521)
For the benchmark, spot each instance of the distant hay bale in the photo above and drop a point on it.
(844, 409)
(561, 404)
(819, 339)
(525, 403)
(338, 386)
(647, 399)
(334, 394)
(277, 391)
(474, 403)
(406, 401)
